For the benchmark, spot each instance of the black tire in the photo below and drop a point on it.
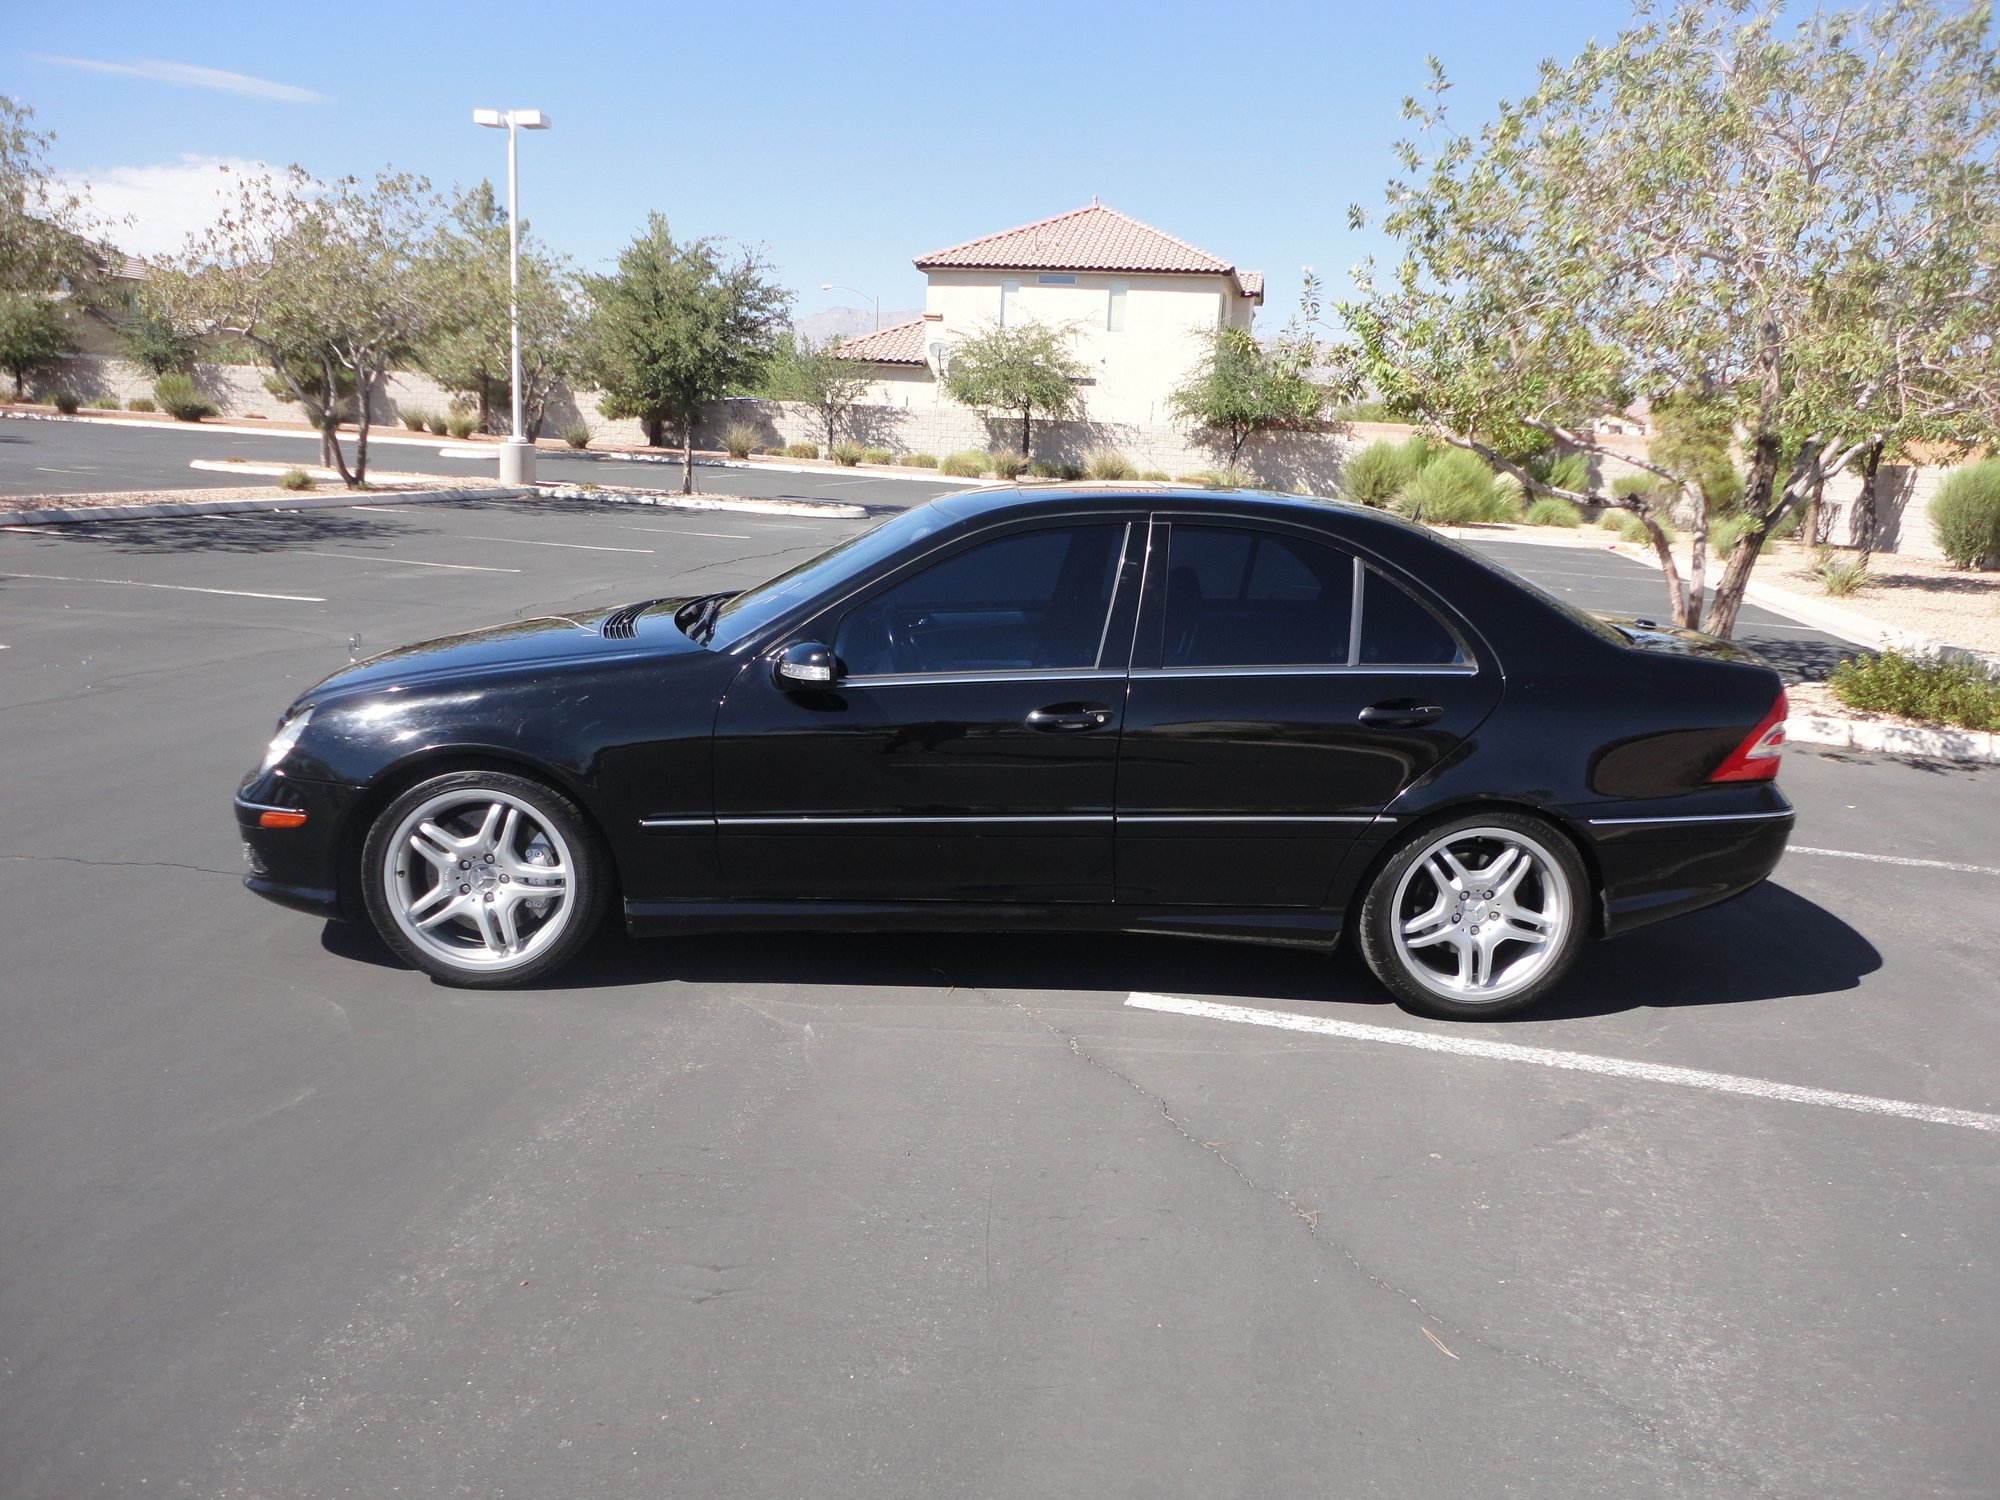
(512, 920)
(1436, 968)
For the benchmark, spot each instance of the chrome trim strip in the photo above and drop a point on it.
(1245, 818)
(921, 679)
(806, 820)
(1758, 817)
(1370, 669)
(677, 822)
(265, 806)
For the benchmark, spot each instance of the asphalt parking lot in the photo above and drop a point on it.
(932, 1217)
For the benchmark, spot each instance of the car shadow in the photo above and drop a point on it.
(1768, 944)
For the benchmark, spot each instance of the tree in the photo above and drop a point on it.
(42, 246)
(34, 335)
(152, 336)
(468, 348)
(1238, 387)
(1786, 228)
(1023, 371)
(819, 378)
(325, 280)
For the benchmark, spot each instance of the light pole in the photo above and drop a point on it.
(517, 454)
(828, 286)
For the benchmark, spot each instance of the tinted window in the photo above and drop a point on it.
(1036, 600)
(754, 608)
(1255, 599)
(1398, 631)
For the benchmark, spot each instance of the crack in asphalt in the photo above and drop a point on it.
(1664, 1438)
(119, 864)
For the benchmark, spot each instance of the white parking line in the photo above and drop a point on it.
(410, 562)
(1575, 1062)
(1896, 859)
(179, 588)
(578, 546)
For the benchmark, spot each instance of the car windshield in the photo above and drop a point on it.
(754, 608)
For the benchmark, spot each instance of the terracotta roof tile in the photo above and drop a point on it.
(1251, 283)
(1095, 238)
(900, 345)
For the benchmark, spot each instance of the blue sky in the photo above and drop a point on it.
(843, 139)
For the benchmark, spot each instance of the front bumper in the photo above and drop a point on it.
(299, 867)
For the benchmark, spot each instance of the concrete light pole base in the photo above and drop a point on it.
(517, 461)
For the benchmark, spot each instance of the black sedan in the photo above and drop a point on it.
(1232, 715)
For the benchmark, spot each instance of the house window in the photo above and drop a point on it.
(1114, 308)
(1047, 279)
(1010, 299)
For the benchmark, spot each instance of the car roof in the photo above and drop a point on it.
(997, 502)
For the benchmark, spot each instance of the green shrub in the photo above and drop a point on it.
(738, 438)
(775, 450)
(1106, 463)
(109, 403)
(1453, 489)
(1550, 510)
(1156, 476)
(1841, 576)
(1006, 463)
(918, 461)
(1510, 496)
(1640, 487)
(1069, 469)
(1571, 472)
(577, 434)
(876, 456)
(1966, 513)
(141, 403)
(414, 417)
(1041, 470)
(66, 402)
(462, 424)
(802, 450)
(1632, 529)
(295, 479)
(968, 464)
(845, 453)
(179, 399)
(1928, 689)
(438, 423)
(1206, 479)
(1377, 474)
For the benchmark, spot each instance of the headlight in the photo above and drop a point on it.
(286, 737)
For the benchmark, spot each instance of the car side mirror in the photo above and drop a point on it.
(805, 665)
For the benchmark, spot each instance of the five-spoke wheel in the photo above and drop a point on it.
(1475, 917)
(483, 878)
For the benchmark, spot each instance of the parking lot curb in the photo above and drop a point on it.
(832, 510)
(1913, 741)
(69, 514)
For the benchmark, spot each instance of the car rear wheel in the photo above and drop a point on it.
(483, 879)
(1477, 917)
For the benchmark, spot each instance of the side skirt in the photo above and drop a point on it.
(1290, 927)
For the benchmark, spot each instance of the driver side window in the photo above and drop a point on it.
(1033, 600)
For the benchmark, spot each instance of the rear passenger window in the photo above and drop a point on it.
(1397, 631)
(1238, 598)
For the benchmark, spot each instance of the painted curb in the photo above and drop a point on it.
(1913, 741)
(869, 471)
(832, 510)
(66, 515)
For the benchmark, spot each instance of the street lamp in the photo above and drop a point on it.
(517, 454)
(828, 286)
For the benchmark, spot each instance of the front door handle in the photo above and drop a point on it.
(1400, 711)
(1070, 718)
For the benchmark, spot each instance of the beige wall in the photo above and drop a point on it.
(1133, 369)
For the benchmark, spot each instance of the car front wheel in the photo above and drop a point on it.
(483, 879)
(1476, 918)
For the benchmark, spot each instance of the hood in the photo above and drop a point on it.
(545, 641)
(1650, 635)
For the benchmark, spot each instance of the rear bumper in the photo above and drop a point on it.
(295, 867)
(1660, 867)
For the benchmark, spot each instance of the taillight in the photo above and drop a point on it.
(1756, 759)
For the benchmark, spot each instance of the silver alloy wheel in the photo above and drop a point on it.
(1480, 913)
(479, 879)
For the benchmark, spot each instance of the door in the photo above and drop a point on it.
(966, 749)
(1282, 694)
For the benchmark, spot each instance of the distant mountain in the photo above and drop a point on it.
(846, 322)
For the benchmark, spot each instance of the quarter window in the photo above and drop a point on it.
(1255, 599)
(1398, 631)
(1032, 601)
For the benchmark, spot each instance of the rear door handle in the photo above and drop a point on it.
(1400, 711)
(1070, 718)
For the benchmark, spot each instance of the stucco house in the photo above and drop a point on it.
(1135, 297)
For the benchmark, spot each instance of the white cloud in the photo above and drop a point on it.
(151, 210)
(188, 75)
